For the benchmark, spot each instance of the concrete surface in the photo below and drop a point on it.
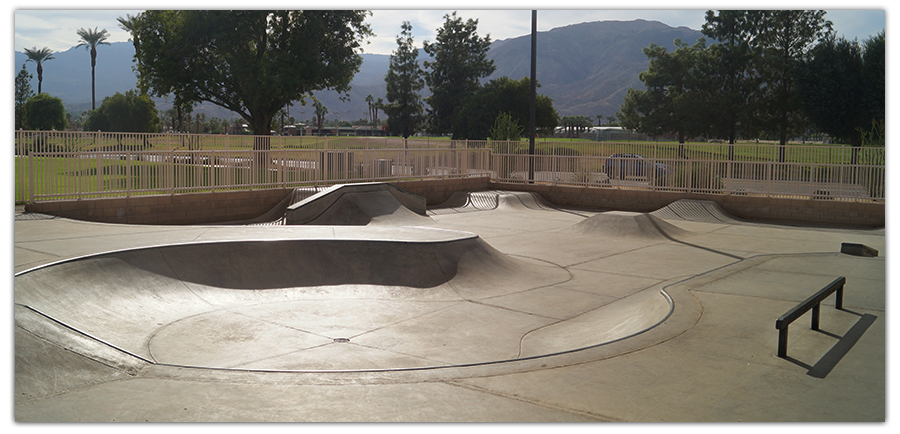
(494, 308)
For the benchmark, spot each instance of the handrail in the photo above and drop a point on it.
(813, 302)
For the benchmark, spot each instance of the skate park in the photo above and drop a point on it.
(370, 303)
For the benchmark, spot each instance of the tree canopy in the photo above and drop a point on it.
(23, 93)
(39, 56)
(131, 112)
(502, 95)
(45, 112)
(403, 82)
(460, 61)
(252, 62)
(673, 100)
(841, 86)
(765, 73)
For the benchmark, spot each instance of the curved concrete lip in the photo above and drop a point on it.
(371, 301)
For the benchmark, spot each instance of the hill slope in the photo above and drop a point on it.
(585, 68)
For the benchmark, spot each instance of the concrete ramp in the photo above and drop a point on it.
(522, 200)
(464, 201)
(622, 319)
(419, 299)
(630, 225)
(704, 211)
(275, 216)
(359, 205)
(467, 201)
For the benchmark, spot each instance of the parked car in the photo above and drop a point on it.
(620, 166)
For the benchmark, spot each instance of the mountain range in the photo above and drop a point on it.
(585, 68)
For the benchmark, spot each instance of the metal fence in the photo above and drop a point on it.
(795, 171)
(80, 175)
(84, 141)
(60, 165)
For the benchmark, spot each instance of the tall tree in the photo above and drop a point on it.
(23, 93)
(403, 82)
(873, 75)
(251, 62)
(674, 100)
(829, 81)
(841, 87)
(39, 57)
(731, 71)
(129, 24)
(320, 112)
(460, 60)
(370, 101)
(785, 36)
(90, 39)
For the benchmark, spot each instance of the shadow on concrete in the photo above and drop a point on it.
(824, 366)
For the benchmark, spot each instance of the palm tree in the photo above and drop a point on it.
(128, 24)
(39, 56)
(90, 39)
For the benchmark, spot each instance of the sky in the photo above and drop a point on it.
(42, 23)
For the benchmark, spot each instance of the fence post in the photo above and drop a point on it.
(100, 173)
(127, 173)
(31, 177)
(170, 172)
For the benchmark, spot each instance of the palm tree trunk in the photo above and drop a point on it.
(93, 82)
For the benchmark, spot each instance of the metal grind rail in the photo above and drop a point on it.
(812, 303)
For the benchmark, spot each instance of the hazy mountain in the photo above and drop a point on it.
(68, 74)
(585, 68)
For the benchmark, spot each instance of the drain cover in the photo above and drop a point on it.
(342, 340)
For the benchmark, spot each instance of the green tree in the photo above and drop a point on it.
(731, 70)
(90, 39)
(320, 112)
(506, 128)
(873, 76)
(841, 87)
(45, 112)
(460, 60)
(503, 95)
(39, 57)
(251, 62)
(403, 82)
(575, 124)
(830, 85)
(674, 100)
(129, 24)
(784, 38)
(131, 112)
(23, 93)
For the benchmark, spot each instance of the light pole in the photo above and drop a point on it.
(533, 104)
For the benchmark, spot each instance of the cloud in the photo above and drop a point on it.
(57, 29)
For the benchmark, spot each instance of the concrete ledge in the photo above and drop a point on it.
(182, 209)
(221, 207)
(308, 209)
(437, 191)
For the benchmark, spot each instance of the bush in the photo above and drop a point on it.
(131, 113)
(45, 112)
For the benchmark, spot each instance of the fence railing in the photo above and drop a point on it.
(72, 141)
(805, 173)
(57, 165)
(80, 175)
